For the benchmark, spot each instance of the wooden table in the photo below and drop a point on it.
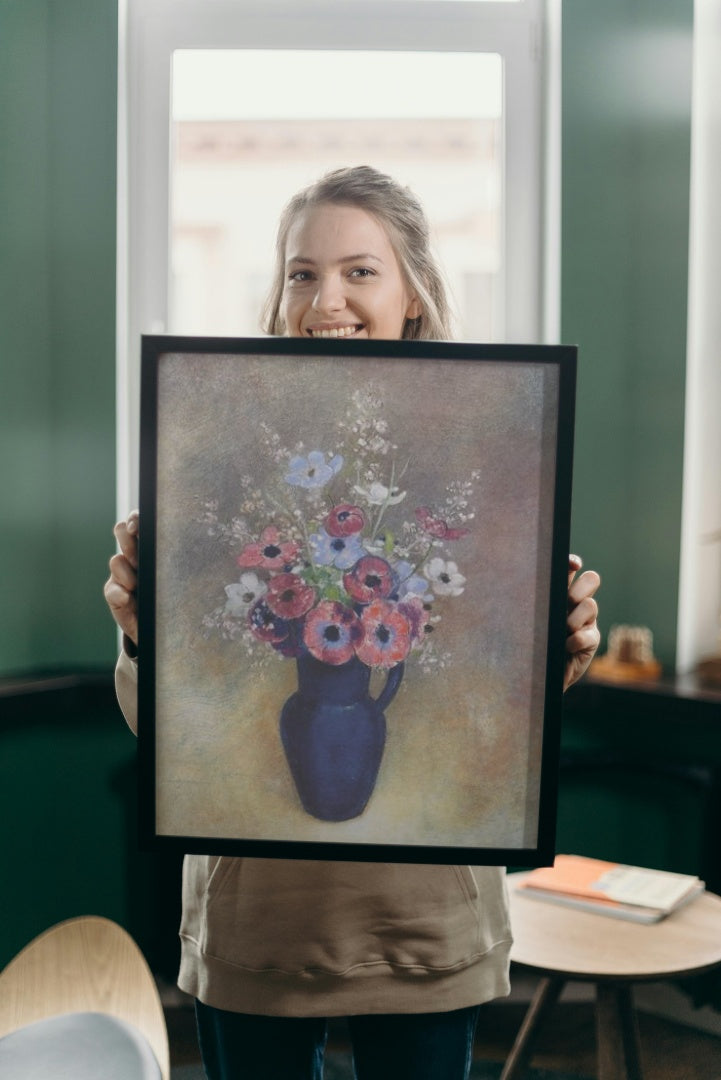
(563, 944)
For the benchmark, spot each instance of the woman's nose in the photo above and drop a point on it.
(329, 296)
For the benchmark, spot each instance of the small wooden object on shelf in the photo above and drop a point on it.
(709, 671)
(629, 657)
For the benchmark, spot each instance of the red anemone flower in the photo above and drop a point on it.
(270, 552)
(437, 527)
(344, 520)
(370, 579)
(331, 632)
(386, 635)
(289, 596)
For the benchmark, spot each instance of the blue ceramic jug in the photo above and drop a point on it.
(334, 733)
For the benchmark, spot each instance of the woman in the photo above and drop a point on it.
(271, 948)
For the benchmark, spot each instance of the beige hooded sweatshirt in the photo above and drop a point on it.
(283, 937)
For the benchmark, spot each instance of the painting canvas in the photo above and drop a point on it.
(353, 568)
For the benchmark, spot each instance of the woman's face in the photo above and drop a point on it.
(342, 277)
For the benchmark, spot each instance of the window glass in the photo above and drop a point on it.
(238, 154)
(475, 1)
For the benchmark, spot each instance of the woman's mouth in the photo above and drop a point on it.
(335, 331)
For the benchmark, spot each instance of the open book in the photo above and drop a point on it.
(608, 888)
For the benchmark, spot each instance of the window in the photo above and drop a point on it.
(236, 161)
(227, 107)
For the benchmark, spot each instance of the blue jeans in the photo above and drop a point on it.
(414, 1046)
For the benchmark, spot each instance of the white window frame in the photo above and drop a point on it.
(699, 597)
(526, 34)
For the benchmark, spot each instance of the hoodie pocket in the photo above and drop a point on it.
(302, 916)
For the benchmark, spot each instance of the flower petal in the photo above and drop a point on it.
(289, 596)
(345, 520)
(370, 578)
(331, 632)
(386, 635)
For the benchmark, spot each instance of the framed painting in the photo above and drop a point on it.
(352, 597)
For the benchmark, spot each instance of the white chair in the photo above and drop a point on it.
(80, 1002)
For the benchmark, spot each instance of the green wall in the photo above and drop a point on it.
(69, 813)
(67, 771)
(626, 137)
(58, 72)
(626, 146)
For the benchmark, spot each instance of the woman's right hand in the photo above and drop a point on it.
(121, 587)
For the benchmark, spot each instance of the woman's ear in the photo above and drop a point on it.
(415, 309)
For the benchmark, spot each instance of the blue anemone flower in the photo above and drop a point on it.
(410, 583)
(313, 471)
(340, 551)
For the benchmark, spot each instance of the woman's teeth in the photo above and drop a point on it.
(337, 331)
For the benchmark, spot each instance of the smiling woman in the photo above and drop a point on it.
(342, 294)
(353, 259)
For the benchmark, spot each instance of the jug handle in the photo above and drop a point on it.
(389, 691)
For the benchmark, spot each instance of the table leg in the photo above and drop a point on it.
(617, 1033)
(545, 997)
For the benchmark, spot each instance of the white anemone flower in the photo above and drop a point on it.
(243, 594)
(378, 494)
(445, 578)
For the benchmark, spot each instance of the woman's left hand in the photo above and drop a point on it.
(583, 636)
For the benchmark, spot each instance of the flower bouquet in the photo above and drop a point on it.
(335, 575)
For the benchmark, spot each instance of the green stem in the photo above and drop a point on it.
(385, 504)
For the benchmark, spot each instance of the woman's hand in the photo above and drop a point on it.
(121, 587)
(583, 636)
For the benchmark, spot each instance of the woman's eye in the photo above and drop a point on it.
(300, 276)
(362, 272)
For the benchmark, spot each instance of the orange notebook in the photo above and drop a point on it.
(631, 892)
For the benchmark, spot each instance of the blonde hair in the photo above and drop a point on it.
(403, 217)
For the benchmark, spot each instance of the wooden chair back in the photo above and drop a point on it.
(87, 964)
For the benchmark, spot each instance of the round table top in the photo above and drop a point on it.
(559, 940)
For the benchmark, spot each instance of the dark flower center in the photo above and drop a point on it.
(344, 515)
(383, 634)
(372, 581)
(287, 596)
(445, 579)
(272, 551)
(331, 633)
(248, 597)
(338, 545)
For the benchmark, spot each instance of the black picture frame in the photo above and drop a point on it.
(269, 469)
